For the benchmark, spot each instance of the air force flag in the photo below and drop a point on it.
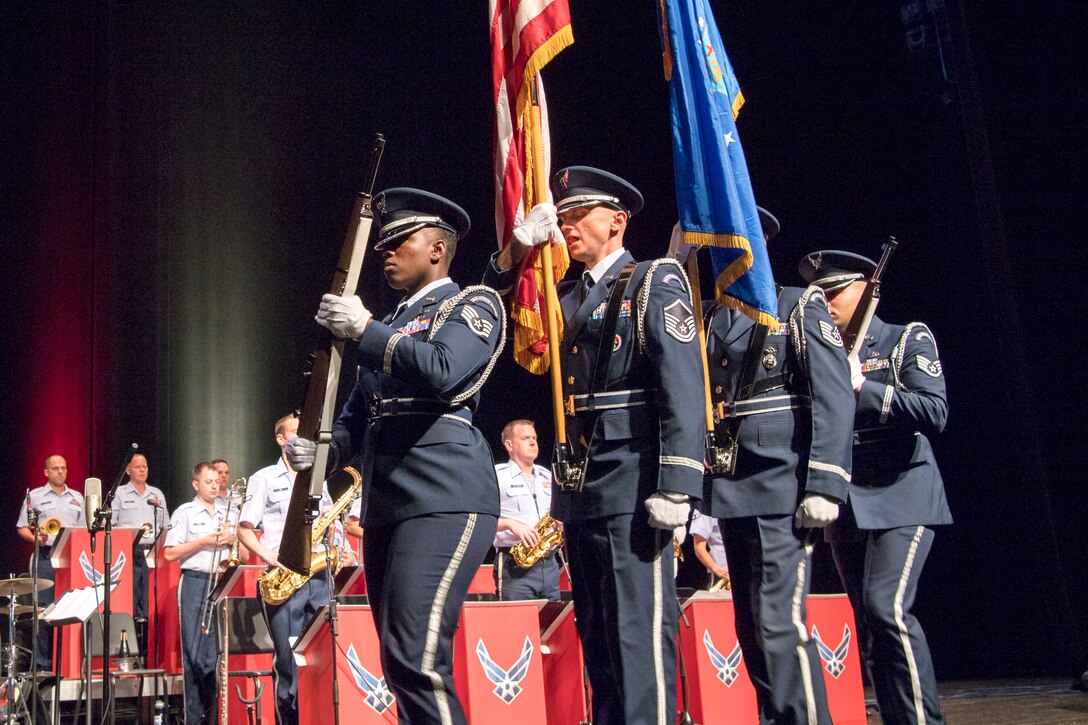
(713, 191)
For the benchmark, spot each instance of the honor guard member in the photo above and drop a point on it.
(709, 549)
(525, 495)
(784, 407)
(138, 505)
(432, 500)
(631, 378)
(53, 500)
(198, 537)
(268, 495)
(881, 541)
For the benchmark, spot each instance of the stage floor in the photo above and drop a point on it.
(1023, 701)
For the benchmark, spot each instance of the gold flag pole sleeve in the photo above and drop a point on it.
(692, 266)
(551, 300)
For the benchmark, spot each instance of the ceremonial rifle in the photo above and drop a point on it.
(855, 332)
(322, 381)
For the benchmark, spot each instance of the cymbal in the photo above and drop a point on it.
(22, 585)
(20, 609)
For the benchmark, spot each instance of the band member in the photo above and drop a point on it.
(53, 500)
(706, 536)
(784, 400)
(525, 495)
(222, 470)
(632, 369)
(137, 505)
(198, 536)
(268, 495)
(431, 501)
(881, 542)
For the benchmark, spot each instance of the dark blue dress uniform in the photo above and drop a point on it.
(432, 501)
(881, 542)
(793, 438)
(644, 434)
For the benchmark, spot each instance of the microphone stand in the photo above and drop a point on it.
(156, 532)
(32, 520)
(104, 523)
(332, 617)
(684, 717)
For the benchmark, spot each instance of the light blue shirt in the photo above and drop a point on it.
(131, 509)
(520, 498)
(707, 527)
(66, 506)
(191, 521)
(268, 496)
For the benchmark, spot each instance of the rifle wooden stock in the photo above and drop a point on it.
(856, 330)
(322, 376)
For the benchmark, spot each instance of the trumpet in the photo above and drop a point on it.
(235, 492)
(52, 526)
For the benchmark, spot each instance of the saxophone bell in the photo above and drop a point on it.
(551, 538)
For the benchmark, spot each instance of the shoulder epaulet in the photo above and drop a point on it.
(673, 272)
(920, 332)
(476, 294)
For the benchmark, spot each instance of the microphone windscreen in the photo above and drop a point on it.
(92, 499)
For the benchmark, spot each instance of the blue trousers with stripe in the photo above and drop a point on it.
(417, 575)
(198, 651)
(285, 621)
(626, 611)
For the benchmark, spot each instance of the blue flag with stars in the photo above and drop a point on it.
(713, 191)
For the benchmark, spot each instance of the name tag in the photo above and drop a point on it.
(200, 526)
(47, 504)
(518, 488)
(278, 494)
(129, 503)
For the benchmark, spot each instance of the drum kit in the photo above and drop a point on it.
(12, 699)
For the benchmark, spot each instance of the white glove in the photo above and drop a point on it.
(541, 225)
(856, 376)
(816, 511)
(668, 510)
(345, 317)
(300, 453)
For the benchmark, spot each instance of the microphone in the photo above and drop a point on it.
(92, 501)
(154, 503)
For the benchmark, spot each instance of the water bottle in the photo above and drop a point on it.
(160, 709)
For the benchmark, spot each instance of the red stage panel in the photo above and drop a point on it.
(364, 697)
(76, 568)
(497, 662)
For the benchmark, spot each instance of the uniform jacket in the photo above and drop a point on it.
(902, 401)
(440, 348)
(638, 450)
(802, 443)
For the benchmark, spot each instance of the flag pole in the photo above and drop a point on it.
(691, 264)
(551, 301)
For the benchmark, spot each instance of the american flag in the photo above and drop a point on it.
(525, 35)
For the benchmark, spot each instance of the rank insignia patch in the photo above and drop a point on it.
(830, 333)
(932, 368)
(679, 321)
(476, 323)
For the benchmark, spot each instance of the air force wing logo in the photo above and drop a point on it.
(679, 321)
(96, 577)
(932, 368)
(834, 660)
(476, 323)
(507, 682)
(726, 665)
(377, 693)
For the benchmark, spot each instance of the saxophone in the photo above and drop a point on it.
(551, 538)
(275, 584)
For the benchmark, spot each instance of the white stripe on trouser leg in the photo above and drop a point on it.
(904, 635)
(659, 657)
(434, 624)
(802, 633)
(498, 565)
